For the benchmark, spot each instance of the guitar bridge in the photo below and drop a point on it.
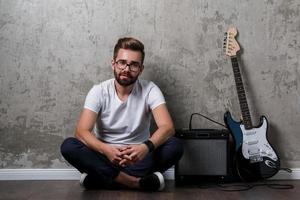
(255, 159)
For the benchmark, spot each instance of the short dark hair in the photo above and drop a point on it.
(129, 43)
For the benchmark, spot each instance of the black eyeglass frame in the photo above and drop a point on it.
(133, 66)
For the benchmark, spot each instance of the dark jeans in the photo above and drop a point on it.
(99, 167)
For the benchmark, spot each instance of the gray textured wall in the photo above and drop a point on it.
(52, 52)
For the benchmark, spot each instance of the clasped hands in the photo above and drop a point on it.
(127, 154)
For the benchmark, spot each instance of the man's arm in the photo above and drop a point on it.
(83, 133)
(84, 128)
(165, 127)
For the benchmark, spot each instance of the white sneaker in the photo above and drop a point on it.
(152, 182)
(82, 178)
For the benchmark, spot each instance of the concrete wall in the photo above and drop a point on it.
(52, 52)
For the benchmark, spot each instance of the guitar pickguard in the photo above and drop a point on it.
(255, 145)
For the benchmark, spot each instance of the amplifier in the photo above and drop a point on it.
(206, 156)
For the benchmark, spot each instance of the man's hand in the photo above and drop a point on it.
(114, 153)
(133, 153)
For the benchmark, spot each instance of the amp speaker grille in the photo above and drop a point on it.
(204, 157)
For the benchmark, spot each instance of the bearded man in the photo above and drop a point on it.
(113, 145)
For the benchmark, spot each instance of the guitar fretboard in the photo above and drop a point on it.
(241, 94)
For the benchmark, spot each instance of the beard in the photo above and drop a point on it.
(125, 82)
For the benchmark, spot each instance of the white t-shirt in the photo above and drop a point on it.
(125, 122)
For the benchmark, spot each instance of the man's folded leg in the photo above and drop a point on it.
(97, 170)
(167, 155)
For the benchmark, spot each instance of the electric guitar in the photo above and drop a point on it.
(255, 159)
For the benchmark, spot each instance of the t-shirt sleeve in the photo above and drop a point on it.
(155, 97)
(93, 99)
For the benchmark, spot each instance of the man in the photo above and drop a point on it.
(113, 146)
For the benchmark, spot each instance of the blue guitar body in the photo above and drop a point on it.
(235, 130)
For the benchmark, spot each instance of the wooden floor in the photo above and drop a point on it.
(71, 190)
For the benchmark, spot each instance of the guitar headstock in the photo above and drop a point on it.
(231, 46)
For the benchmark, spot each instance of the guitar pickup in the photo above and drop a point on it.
(253, 152)
(250, 132)
(252, 142)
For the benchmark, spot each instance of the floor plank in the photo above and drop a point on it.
(71, 190)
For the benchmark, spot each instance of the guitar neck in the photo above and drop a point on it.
(241, 94)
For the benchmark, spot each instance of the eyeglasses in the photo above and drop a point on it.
(133, 66)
